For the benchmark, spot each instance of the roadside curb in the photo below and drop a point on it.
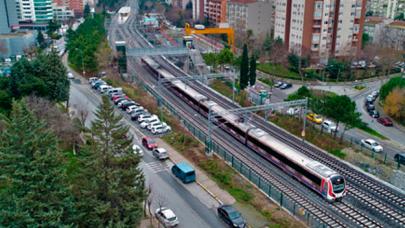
(210, 193)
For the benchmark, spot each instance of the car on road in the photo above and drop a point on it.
(167, 217)
(329, 126)
(231, 216)
(160, 153)
(160, 129)
(400, 158)
(137, 150)
(278, 84)
(315, 118)
(184, 172)
(370, 107)
(70, 75)
(149, 143)
(372, 145)
(286, 86)
(385, 121)
(374, 113)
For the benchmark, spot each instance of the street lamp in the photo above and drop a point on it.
(81, 53)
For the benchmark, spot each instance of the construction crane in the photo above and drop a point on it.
(188, 30)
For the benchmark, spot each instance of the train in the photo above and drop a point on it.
(123, 14)
(318, 177)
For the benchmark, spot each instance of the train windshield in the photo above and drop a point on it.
(338, 184)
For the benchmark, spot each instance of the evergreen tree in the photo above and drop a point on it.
(114, 190)
(51, 70)
(40, 39)
(244, 69)
(268, 43)
(252, 71)
(86, 11)
(33, 192)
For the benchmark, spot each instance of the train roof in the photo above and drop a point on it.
(190, 91)
(292, 154)
(125, 9)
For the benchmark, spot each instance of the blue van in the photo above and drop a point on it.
(184, 172)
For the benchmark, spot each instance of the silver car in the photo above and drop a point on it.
(166, 216)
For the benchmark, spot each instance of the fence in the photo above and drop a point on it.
(270, 190)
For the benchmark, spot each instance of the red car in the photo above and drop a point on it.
(385, 121)
(115, 97)
(149, 143)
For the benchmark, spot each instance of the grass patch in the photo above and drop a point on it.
(241, 195)
(267, 81)
(338, 153)
(359, 87)
(371, 131)
(278, 70)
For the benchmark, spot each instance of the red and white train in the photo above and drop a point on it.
(325, 181)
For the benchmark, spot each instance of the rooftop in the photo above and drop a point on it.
(185, 167)
(397, 24)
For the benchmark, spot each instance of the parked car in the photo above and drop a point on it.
(118, 96)
(385, 121)
(150, 120)
(155, 124)
(278, 84)
(126, 104)
(184, 172)
(143, 117)
(286, 86)
(119, 101)
(97, 84)
(132, 108)
(372, 145)
(135, 114)
(160, 153)
(137, 150)
(167, 217)
(313, 117)
(374, 113)
(149, 143)
(92, 79)
(370, 107)
(329, 126)
(70, 75)
(400, 158)
(375, 94)
(231, 216)
(160, 129)
(114, 90)
(370, 98)
(103, 88)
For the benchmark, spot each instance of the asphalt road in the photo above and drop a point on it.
(188, 202)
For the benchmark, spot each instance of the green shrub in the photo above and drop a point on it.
(240, 194)
(338, 153)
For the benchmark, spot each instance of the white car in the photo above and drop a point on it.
(160, 153)
(143, 117)
(166, 216)
(372, 145)
(92, 79)
(133, 108)
(329, 126)
(70, 75)
(137, 150)
(153, 119)
(370, 98)
(160, 129)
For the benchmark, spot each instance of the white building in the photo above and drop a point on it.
(386, 8)
(62, 13)
(34, 10)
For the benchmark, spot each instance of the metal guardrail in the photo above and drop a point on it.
(267, 188)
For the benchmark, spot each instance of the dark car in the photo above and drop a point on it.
(125, 105)
(119, 100)
(385, 121)
(370, 107)
(149, 143)
(400, 158)
(231, 216)
(374, 113)
(286, 86)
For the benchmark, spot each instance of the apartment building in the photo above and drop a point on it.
(62, 13)
(386, 32)
(250, 14)
(215, 11)
(320, 28)
(8, 16)
(198, 10)
(34, 10)
(386, 8)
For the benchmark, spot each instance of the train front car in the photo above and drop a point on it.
(337, 188)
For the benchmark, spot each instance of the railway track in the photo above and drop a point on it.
(394, 214)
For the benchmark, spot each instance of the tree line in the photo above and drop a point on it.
(43, 76)
(83, 43)
(247, 74)
(44, 186)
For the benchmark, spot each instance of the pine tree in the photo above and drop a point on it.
(114, 190)
(33, 192)
(244, 69)
(252, 71)
(40, 39)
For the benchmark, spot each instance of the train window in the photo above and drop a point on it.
(338, 184)
(288, 162)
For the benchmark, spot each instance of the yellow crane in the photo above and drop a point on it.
(188, 30)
